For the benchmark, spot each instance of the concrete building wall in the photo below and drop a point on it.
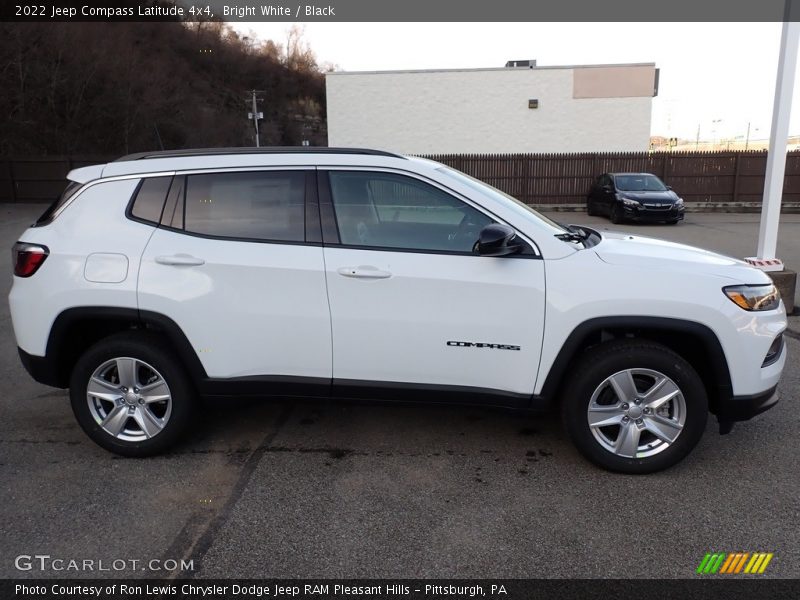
(486, 110)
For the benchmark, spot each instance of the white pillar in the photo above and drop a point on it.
(776, 159)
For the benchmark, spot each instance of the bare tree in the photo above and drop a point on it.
(99, 88)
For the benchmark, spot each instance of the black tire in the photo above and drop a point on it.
(616, 214)
(590, 211)
(599, 363)
(150, 349)
(675, 222)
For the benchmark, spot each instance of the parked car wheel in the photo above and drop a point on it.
(634, 406)
(590, 211)
(675, 222)
(130, 396)
(616, 214)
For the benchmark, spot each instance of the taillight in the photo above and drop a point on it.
(28, 258)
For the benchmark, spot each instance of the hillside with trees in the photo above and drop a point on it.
(115, 88)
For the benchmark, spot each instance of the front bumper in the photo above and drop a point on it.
(643, 213)
(742, 408)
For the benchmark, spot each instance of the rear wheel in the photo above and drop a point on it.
(616, 214)
(634, 406)
(130, 396)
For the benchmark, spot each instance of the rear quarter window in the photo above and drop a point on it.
(148, 201)
(49, 214)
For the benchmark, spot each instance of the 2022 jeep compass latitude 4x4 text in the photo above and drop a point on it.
(160, 278)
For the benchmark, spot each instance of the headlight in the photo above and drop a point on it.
(630, 202)
(679, 202)
(754, 297)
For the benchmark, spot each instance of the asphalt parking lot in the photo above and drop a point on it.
(290, 489)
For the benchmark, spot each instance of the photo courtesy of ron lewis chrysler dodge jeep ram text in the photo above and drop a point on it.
(160, 278)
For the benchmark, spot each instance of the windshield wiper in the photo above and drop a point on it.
(573, 234)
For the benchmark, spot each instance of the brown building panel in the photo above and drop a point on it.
(614, 82)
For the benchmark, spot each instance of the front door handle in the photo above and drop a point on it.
(180, 260)
(364, 272)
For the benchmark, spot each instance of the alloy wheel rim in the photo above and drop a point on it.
(637, 413)
(129, 399)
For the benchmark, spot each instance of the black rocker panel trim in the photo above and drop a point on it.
(391, 391)
(266, 386)
(373, 391)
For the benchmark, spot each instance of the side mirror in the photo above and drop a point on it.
(669, 187)
(497, 239)
(607, 188)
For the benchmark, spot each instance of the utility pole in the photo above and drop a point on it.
(714, 124)
(697, 139)
(254, 115)
(747, 140)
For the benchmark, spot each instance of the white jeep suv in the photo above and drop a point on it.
(163, 277)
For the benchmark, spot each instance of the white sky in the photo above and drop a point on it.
(717, 71)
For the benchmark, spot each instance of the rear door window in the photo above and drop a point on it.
(253, 205)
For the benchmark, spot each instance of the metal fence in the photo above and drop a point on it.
(539, 179)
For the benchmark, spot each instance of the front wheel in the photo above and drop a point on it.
(616, 214)
(634, 406)
(130, 396)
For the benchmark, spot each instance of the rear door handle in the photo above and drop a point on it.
(364, 272)
(180, 260)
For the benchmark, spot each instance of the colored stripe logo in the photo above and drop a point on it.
(734, 563)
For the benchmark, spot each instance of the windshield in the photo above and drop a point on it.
(639, 183)
(489, 190)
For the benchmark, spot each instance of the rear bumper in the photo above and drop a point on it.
(41, 369)
(742, 408)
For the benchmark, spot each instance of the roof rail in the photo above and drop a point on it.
(265, 150)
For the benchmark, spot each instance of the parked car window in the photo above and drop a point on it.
(598, 183)
(640, 183)
(257, 205)
(393, 211)
(150, 197)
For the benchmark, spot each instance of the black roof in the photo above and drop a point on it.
(266, 150)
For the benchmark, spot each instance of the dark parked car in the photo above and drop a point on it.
(635, 197)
